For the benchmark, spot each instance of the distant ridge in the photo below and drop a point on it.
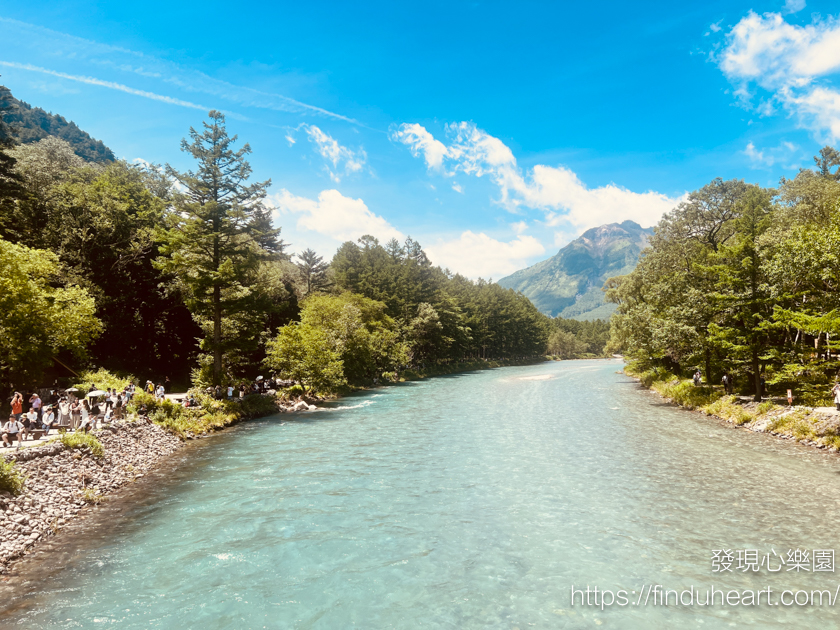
(569, 283)
(30, 124)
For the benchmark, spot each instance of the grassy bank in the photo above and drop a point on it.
(803, 424)
(212, 415)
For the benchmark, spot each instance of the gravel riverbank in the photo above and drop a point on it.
(61, 483)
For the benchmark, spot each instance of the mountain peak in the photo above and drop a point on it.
(569, 283)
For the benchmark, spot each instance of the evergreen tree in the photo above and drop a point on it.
(313, 271)
(211, 245)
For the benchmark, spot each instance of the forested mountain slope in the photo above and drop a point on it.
(569, 283)
(30, 124)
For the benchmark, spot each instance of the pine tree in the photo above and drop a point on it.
(211, 244)
(313, 271)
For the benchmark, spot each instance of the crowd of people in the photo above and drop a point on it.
(72, 410)
(33, 419)
(258, 386)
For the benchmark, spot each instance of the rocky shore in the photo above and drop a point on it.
(63, 483)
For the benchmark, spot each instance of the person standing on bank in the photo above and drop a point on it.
(35, 402)
(17, 406)
(836, 392)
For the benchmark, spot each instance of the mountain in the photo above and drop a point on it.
(30, 124)
(569, 283)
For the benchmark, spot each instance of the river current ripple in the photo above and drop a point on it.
(470, 501)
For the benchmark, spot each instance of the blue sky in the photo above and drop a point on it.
(492, 132)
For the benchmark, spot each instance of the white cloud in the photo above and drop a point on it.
(519, 227)
(421, 141)
(792, 63)
(343, 160)
(478, 255)
(457, 187)
(764, 158)
(334, 216)
(557, 191)
(793, 6)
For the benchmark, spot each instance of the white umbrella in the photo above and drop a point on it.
(71, 389)
(97, 392)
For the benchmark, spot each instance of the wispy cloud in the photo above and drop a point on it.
(793, 6)
(106, 84)
(786, 64)
(556, 190)
(23, 37)
(340, 160)
(765, 158)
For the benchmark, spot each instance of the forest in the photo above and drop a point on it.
(149, 271)
(742, 280)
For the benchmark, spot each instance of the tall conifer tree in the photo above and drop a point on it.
(217, 235)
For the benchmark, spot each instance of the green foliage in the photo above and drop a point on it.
(92, 496)
(81, 440)
(745, 281)
(212, 415)
(100, 222)
(103, 379)
(686, 394)
(314, 272)
(728, 408)
(38, 316)
(12, 478)
(304, 353)
(358, 329)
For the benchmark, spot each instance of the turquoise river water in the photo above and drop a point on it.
(471, 501)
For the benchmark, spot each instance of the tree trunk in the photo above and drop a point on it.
(709, 379)
(757, 376)
(217, 336)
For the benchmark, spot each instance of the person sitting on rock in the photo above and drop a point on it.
(47, 419)
(12, 430)
(30, 423)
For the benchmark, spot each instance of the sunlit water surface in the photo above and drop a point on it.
(472, 501)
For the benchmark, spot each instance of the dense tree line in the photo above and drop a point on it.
(742, 279)
(446, 317)
(573, 339)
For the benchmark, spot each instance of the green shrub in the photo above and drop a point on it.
(81, 440)
(295, 390)
(686, 393)
(103, 379)
(11, 477)
(726, 408)
(766, 407)
(647, 375)
(94, 497)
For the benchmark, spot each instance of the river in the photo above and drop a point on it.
(470, 501)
